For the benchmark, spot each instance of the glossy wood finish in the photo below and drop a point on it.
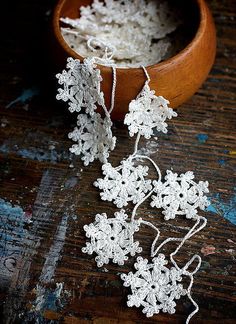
(177, 78)
(55, 190)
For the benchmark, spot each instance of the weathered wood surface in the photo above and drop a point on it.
(47, 196)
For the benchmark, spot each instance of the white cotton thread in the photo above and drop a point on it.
(139, 203)
(113, 93)
(137, 156)
(146, 74)
(190, 233)
(136, 144)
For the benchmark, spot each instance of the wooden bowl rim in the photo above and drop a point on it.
(160, 66)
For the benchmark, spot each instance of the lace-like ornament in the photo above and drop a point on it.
(154, 286)
(180, 195)
(148, 112)
(112, 238)
(94, 138)
(81, 86)
(123, 184)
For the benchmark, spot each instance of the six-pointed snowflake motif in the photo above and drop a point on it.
(124, 183)
(180, 195)
(148, 112)
(154, 286)
(94, 138)
(81, 86)
(112, 238)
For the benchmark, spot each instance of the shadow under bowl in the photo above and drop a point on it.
(176, 78)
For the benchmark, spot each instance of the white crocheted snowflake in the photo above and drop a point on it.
(94, 138)
(112, 238)
(81, 86)
(148, 113)
(180, 195)
(154, 286)
(124, 183)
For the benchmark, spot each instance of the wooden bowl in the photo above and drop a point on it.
(176, 79)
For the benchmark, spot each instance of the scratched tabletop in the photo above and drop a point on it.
(47, 195)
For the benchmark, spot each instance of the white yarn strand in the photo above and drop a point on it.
(190, 233)
(140, 203)
(153, 163)
(113, 93)
(136, 143)
(146, 74)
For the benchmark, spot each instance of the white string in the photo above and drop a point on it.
(145, 222)
(147, 75)
(136, 143)
(101, 44)
(107, 61)
(196, 256)
(191, 232)
(153, 163)
(151, 192)
(184, 270)
(139, 203)
(89, 44)
(188, 235)
(138, 136)
(190, 275)
(105, 110)
(113, 92)
(73, 32)
(192, 300)
(155, 228)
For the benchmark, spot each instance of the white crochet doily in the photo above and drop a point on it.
(81, 86)
(154, 286)
(180, 195)
(112, 238)
(148, 113)
(93, 137)
(124, 183)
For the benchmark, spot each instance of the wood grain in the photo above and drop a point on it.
(47, 195)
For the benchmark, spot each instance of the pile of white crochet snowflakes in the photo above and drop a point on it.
(135, 31)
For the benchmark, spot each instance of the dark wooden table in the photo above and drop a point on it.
(47, 195)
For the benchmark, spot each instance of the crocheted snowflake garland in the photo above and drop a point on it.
(94, 138)
(112, 238)
(148, 113)
(81, 86)
(154, 286)
(180, 195)
(124, 183)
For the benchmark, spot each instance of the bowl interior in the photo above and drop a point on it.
(189, 11)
